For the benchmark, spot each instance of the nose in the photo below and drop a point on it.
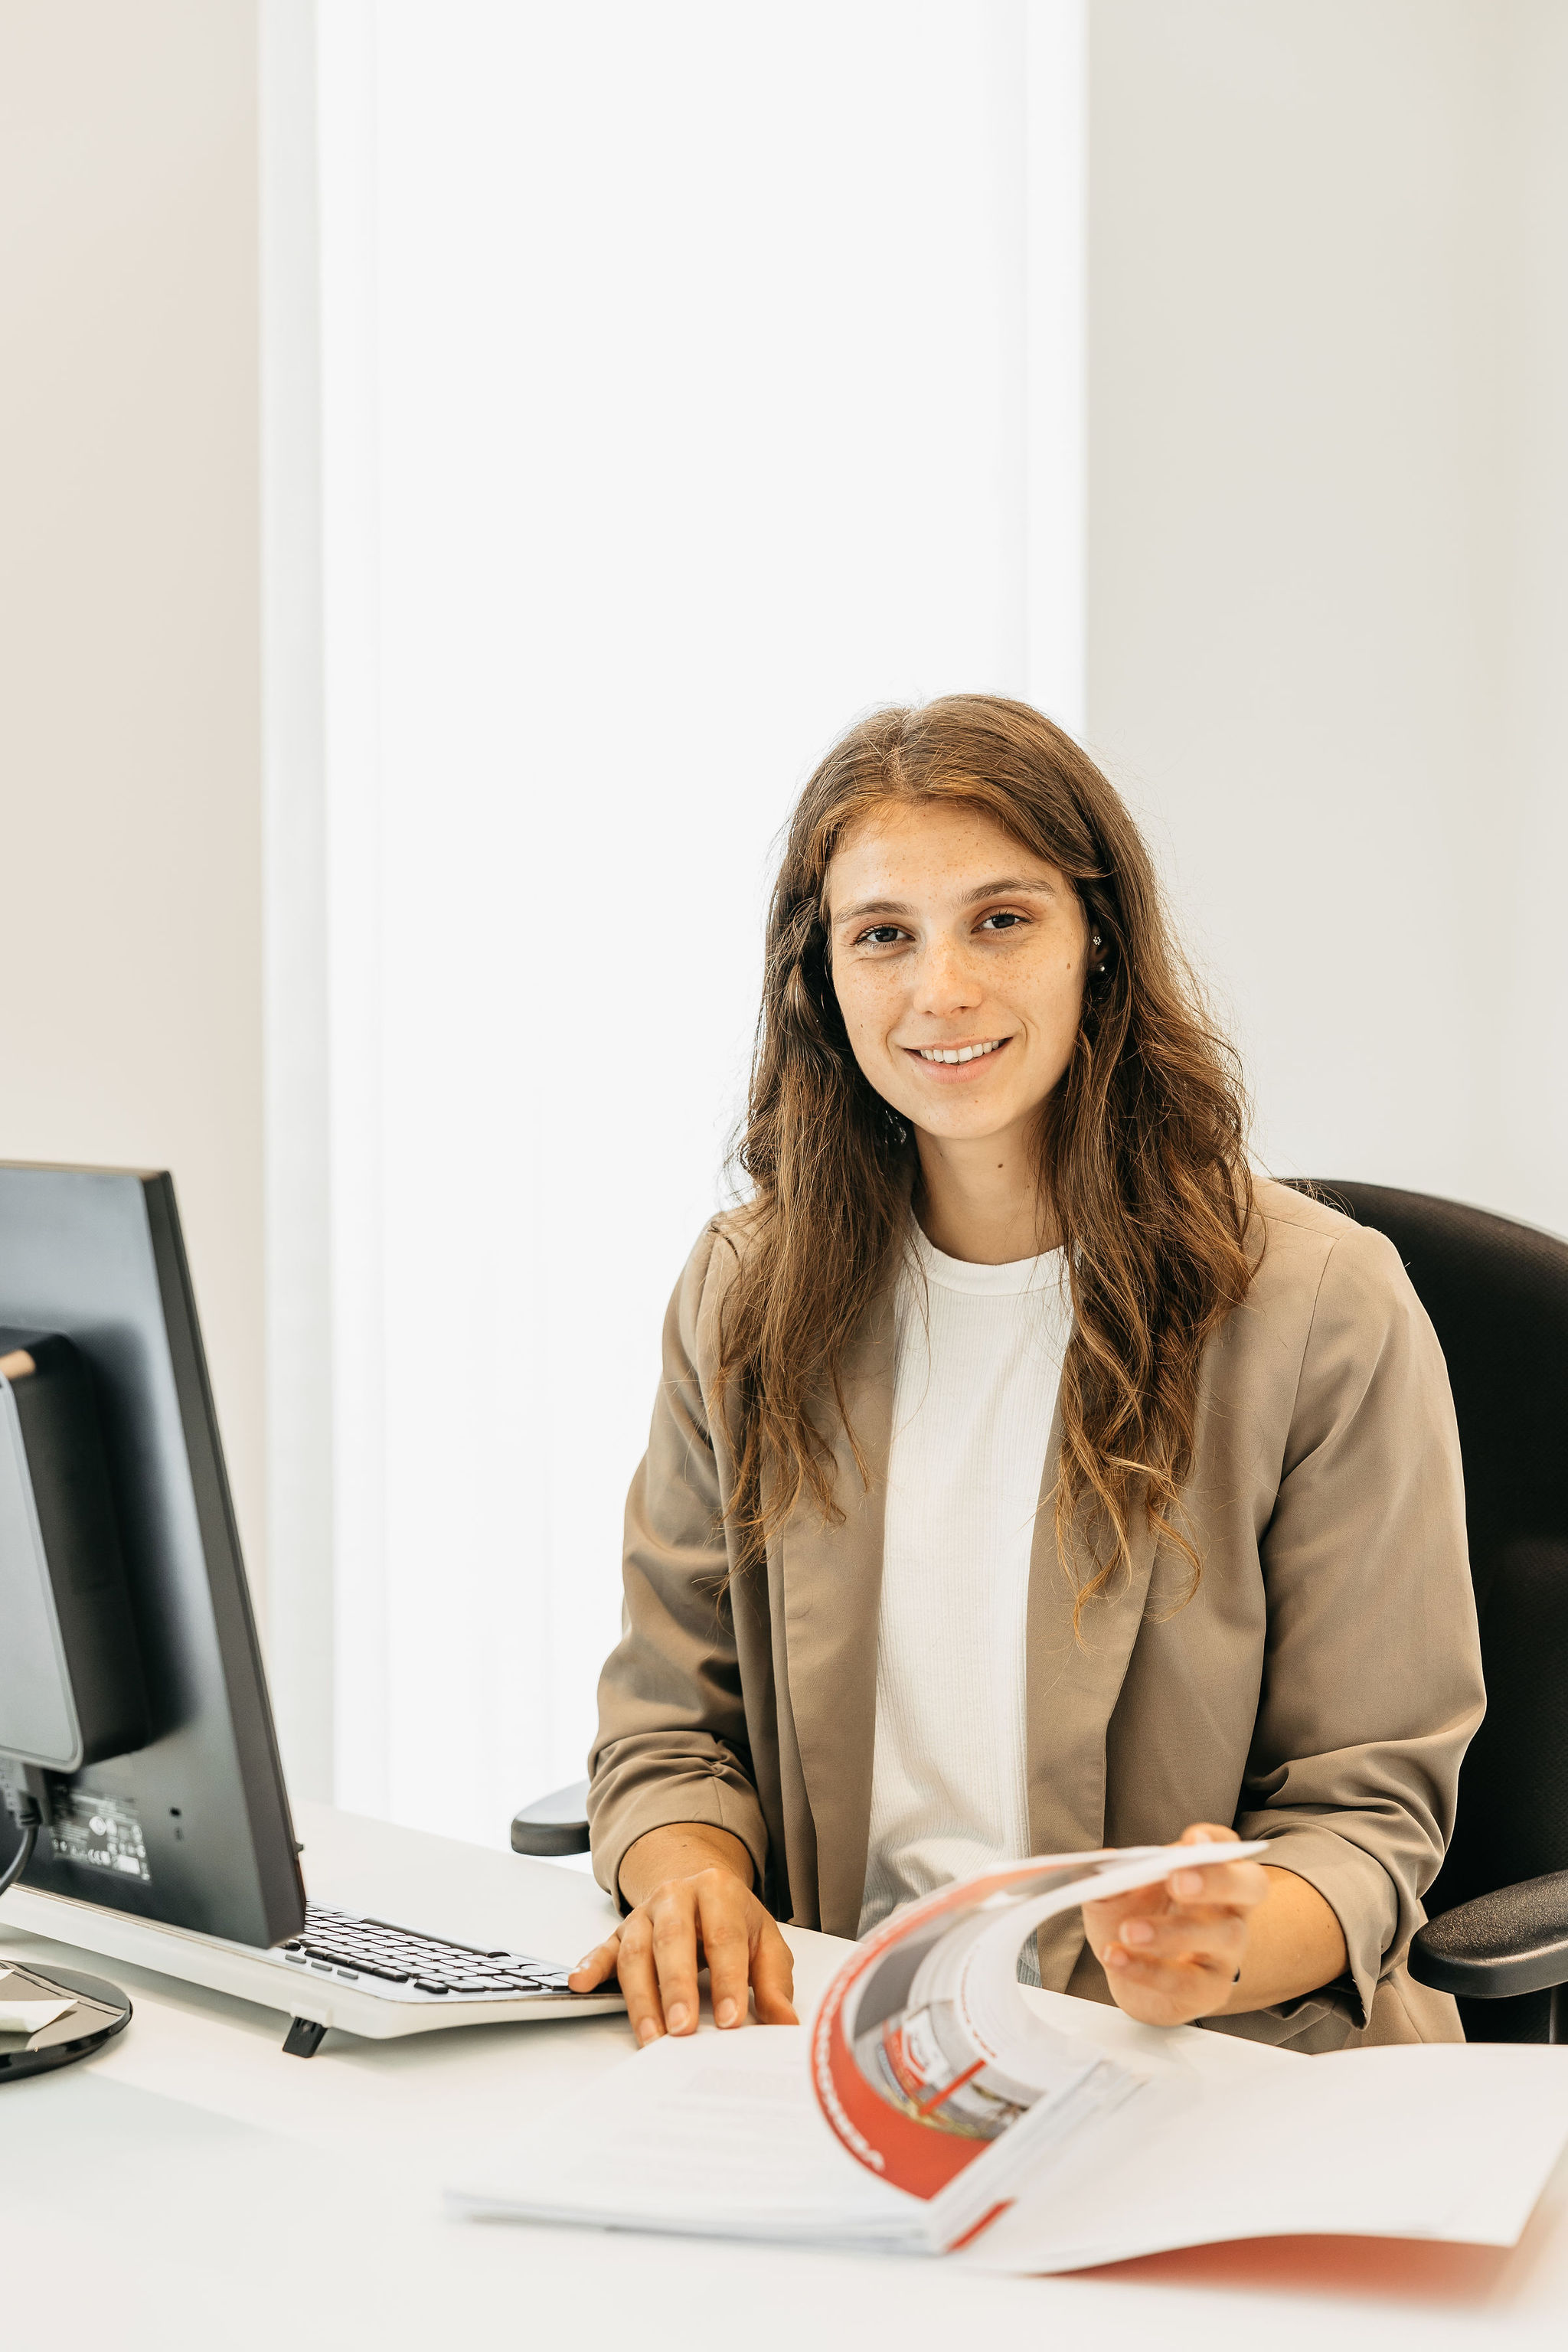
(946, 981)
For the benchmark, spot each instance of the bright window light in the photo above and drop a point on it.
(694, 378)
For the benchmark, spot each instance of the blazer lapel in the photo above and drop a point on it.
(832, 1580)
(1073, 1684)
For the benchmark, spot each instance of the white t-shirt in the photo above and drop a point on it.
(978, 1363)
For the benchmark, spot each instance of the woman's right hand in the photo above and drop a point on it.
(692, 1903)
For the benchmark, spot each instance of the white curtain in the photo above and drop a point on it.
(694, 377)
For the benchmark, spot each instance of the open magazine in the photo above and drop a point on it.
(928, 2064)
(935, 2105)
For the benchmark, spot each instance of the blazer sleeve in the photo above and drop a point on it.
(1372, 1685)
(672, 1744)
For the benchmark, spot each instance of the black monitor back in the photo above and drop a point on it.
(194, 1828)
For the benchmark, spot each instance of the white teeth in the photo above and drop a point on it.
(957, 1053)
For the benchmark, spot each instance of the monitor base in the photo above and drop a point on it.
(102, 2012)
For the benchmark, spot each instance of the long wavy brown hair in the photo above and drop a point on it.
(1142, 1160)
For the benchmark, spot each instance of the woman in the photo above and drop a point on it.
(1025, 1477)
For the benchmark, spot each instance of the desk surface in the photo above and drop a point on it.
(193, 2186)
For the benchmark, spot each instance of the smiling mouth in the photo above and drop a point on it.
(950, 1053)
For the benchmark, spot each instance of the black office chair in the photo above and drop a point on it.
(555, 1824)
(1498, 1295)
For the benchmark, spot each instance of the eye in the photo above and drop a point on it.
(880, 935)
(1004, 919)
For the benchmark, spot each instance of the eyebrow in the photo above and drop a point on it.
(1009, 886)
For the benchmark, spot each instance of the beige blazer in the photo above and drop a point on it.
(1318, 1691)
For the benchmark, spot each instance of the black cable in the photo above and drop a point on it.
(22, 1857)
(25, 1811)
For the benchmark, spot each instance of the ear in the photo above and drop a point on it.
(1100, 945)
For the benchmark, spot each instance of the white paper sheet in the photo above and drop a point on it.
(1439, 2141)
(30, 2017)
(716, 2134)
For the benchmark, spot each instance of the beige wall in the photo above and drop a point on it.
(130, 763)
(1328, 552)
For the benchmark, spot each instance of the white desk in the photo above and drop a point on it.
(192, 2187)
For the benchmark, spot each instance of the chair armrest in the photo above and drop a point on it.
(559, 1823)
(1513, 1941)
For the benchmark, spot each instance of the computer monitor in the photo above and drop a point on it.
(189, 1825)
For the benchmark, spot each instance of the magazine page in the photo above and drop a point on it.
(929, 2063)
(708, 2134)
(1436, 2140)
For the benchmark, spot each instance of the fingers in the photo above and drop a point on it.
(708, 1918)
(657, 1963)
(596, 1966)
(721, 1905)
(1167, 1992)
(1234, 1886)
(1172, 1951)
(1182, 1930)
(1167, 1971)
(1209, 1937)
(772, 1978)
(1241, 1882)
(672, 1912)
(639, 1977)
(1142, 1899)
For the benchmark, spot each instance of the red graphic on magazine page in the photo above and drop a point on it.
(926, 2057)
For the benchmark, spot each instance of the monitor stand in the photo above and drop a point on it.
(99, 2012)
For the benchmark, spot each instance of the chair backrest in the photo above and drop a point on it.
(1498, 1295)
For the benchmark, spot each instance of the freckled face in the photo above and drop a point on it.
(959, 961)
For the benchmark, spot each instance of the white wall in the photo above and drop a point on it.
(129, 765)
(1328, 552)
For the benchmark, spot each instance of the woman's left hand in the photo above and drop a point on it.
(1173, 1951)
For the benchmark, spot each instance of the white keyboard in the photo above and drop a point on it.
(399, 1964)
